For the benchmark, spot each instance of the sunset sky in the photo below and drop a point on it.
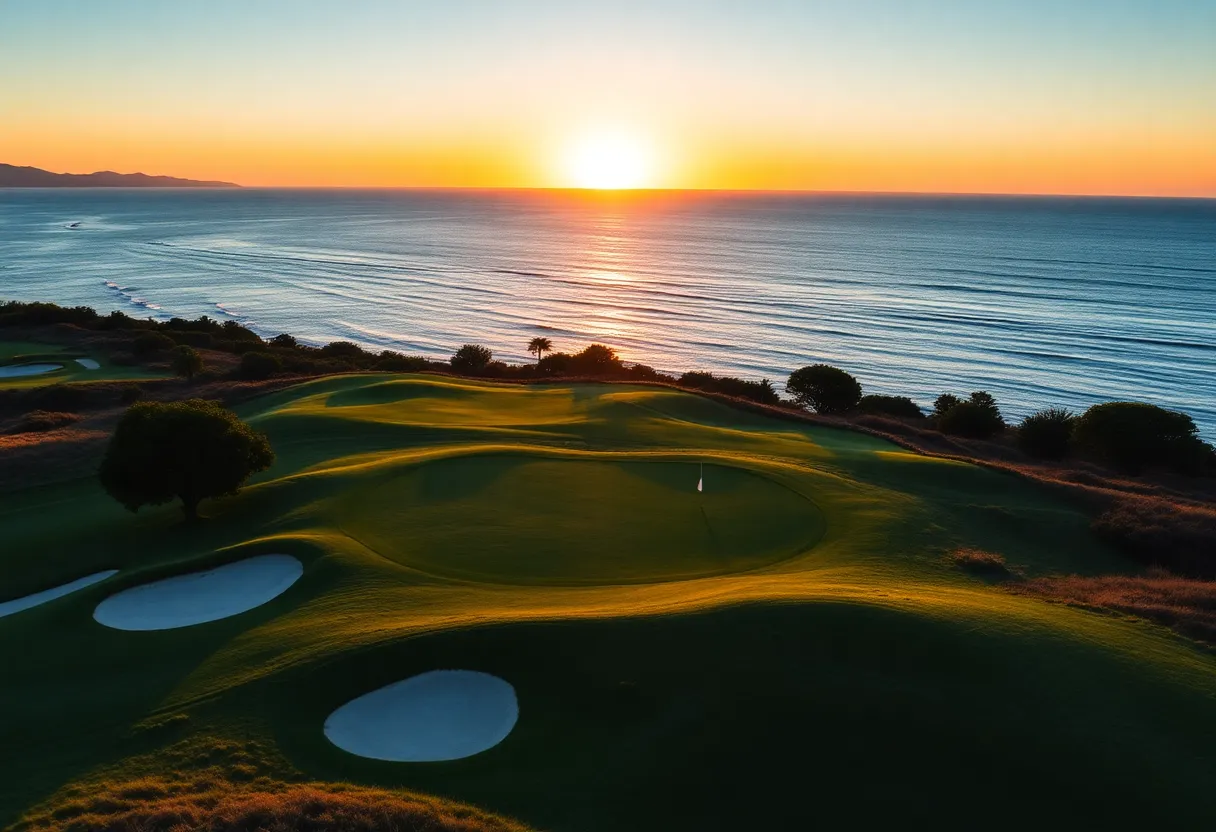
(886, 95)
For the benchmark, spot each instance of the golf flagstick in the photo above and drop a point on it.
(701, 481)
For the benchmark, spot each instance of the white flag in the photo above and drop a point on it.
(701, 481)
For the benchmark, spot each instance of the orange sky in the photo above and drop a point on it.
(868, 96)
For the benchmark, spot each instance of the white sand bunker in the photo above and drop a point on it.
(200, 597)
(22, 370)
(40, 598)
(88, 363)
(441, 715)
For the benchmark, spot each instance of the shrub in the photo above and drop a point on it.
(257, 365)
(62, 397)
(596, 360)
(758, 391)
(899, 406)
(235, 332)
(285, 341)
(825, 388)
(343, 349)
(1047, 434)
(1132, 436)
(189, 450)
(395, 362)
(980, 562)
(976, 418)
(130, 394)
(186, 361)
(193, 338)
(555, 364)
(152, 342)
(471, 358)
(642, 372)
(943, 403)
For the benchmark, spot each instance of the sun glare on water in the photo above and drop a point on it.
(609, 162)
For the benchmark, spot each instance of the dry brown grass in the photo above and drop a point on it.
(980, 562)
(1186, 605)
(154, 804)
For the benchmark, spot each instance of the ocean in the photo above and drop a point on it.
(1040, 301)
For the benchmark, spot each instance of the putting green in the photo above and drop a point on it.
(791, 643)
(519, 519)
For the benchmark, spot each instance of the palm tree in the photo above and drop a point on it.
(538, 346)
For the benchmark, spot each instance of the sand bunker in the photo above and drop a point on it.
(200, 597)
(40, 598)
(22, 370)
(441, 715)
(88, 363)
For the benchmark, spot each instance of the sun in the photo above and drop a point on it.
(609, 161)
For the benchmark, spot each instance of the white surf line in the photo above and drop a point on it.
(431, 717)
(40, 598)
(199, 597)
(23, 370)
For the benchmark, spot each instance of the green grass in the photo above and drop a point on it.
(31, 352)
(791, 647)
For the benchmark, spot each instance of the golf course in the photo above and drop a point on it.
(668, 613)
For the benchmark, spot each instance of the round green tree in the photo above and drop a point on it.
(1133, 436)
(471, 358)
(187, 363)
(189, 450)
(825, 388)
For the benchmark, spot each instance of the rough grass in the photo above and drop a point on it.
(979, 562)
(157, 804)
(1186, 605)
(1162, 532)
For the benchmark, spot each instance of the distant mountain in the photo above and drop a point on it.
(12, 176)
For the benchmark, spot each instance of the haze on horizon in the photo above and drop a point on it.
(999, 96)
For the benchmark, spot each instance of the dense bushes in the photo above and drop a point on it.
(151, 343)
(1047, 434)
(825, 388)
(256, 366)
(471, 358)
(758, 391)
(395, 362)
(899, 406)
(1132, 436)
(186, 361)
(976, 417)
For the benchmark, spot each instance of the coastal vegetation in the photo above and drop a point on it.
(861, 579)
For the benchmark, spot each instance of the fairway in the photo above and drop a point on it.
(34, 364)
(789, 647)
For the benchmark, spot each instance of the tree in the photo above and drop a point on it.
(258, 365)
(285, 341)
(1131, 436)
(539, 346)
(825, 388)
(1047, 434)
(595, 360)
(187, 363)
(471, 358)
(977, 417)
(189, 450)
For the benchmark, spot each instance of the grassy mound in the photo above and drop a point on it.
(512, 519)
(795, 639)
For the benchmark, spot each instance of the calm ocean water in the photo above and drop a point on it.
(1038, 300)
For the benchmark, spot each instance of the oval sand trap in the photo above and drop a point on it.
(88, 363)
(40, 598)
(199, 597)
(435, 716)
(23, 370)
